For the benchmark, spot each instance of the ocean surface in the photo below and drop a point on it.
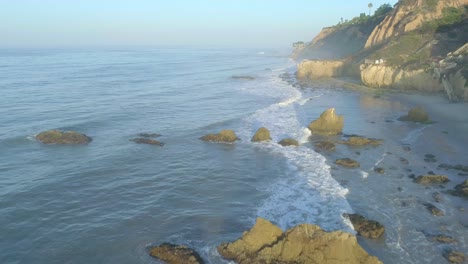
(111, 200)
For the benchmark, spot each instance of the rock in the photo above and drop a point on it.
(407, 148)
(288, 142)
(454, 167)
(416, 114)
(305, 243)
(461, 189)
(316, 69)
(60, 137)
(404, 161)
(430, 158)
(366, 228)
(455, 257)
(361, 141)
(325, 145)
(147, 141)
(379, 170)
(243, 77)
(150, 135)
(176, 254)
(328, 123)
(437, 197)
(442, 239)
(433, 209)
(347, 162)
(431, 179)
(226, 136)
(262, 134)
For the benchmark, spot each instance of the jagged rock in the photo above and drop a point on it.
(325, 145)
(361, 141)
(442, 239)
(461, 189)
(150, 135)
(147, 141)
(431, 179)
(328, 123)
(347, 162)
(288, 142)
(60, 137)
(243, 77)
(455, 257)
(176, 254)
(366, 228)
(305, 243)
(379, 170)
(416, 114)
(227, 136)
(262, 134)
(433, 209)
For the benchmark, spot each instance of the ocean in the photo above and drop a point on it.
(111, 200)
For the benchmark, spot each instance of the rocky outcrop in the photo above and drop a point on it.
(305, 243)
(364, 227)
(431, 179)
(147, 141)
(347, 162)
(379, 170)
(383, 76)
(328, 123)
(316, 69)
(149, 135)
(243, 77)
(176, 254)
(408, 16)
(62, 138)
(288, 142)
(262, 134)
(362, 141)
(325, 145)
(433, 209)
(461, 189)
(225, 136)
(416, 114)
(455, 257)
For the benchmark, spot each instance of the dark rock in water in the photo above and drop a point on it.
(288, 142)
(302, 244)
(262, 134)
(417, 115)
(226, 136)
(404, 161)
(412, 176)
(243, 77)
(407, 148)
(461, 189)
(147, 141)
(362, 141)
(437, 197)
(325, 145)
(176, 254)
(62, 138)
(433, 209)
(328, 123)
(454, 167)
(430, 158)
(379, 170)
(455, 257)
(364, 227)
(347, 162)
(431, 179)
(442, 239)
(150, 135)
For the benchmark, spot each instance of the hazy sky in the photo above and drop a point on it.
(253, 23)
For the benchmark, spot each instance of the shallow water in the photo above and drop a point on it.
(109, 201)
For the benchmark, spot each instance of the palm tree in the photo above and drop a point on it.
(370, 5)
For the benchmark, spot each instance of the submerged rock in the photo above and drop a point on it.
(379, 170)
(328, 123)
(442, 239)
(461, 189)
(431, 179)
(361, 141)
(227, 136)
(305, 243)
(150, 135)
(243, 77)
(61, 137)
(417, 115)
(455, 257)
(147, 141)
(176, 254)
(262, 134)
(325, 145)
(454, 167)
(433, 209)
(366, 228)
(347, 162)
(288, 142)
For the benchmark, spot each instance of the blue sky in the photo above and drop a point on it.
(252, 23)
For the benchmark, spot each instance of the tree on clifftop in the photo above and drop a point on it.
(370, 5)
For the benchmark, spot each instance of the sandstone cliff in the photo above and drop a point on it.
(315, 69)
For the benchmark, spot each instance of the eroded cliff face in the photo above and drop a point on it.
(384, 77)
(315, 69)
(408, 16)
(460, 85)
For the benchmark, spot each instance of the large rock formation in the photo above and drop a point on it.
(366, 228)
(315, 69)
(262, 134)
(288, 142)
(60, 137)
(305, 243)
(416, 114)
(176, 254)
(328, 123)
(226, 136)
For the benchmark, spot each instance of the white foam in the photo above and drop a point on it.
(413, 135)
(364, 174)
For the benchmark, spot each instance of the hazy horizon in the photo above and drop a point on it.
(55, 23)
